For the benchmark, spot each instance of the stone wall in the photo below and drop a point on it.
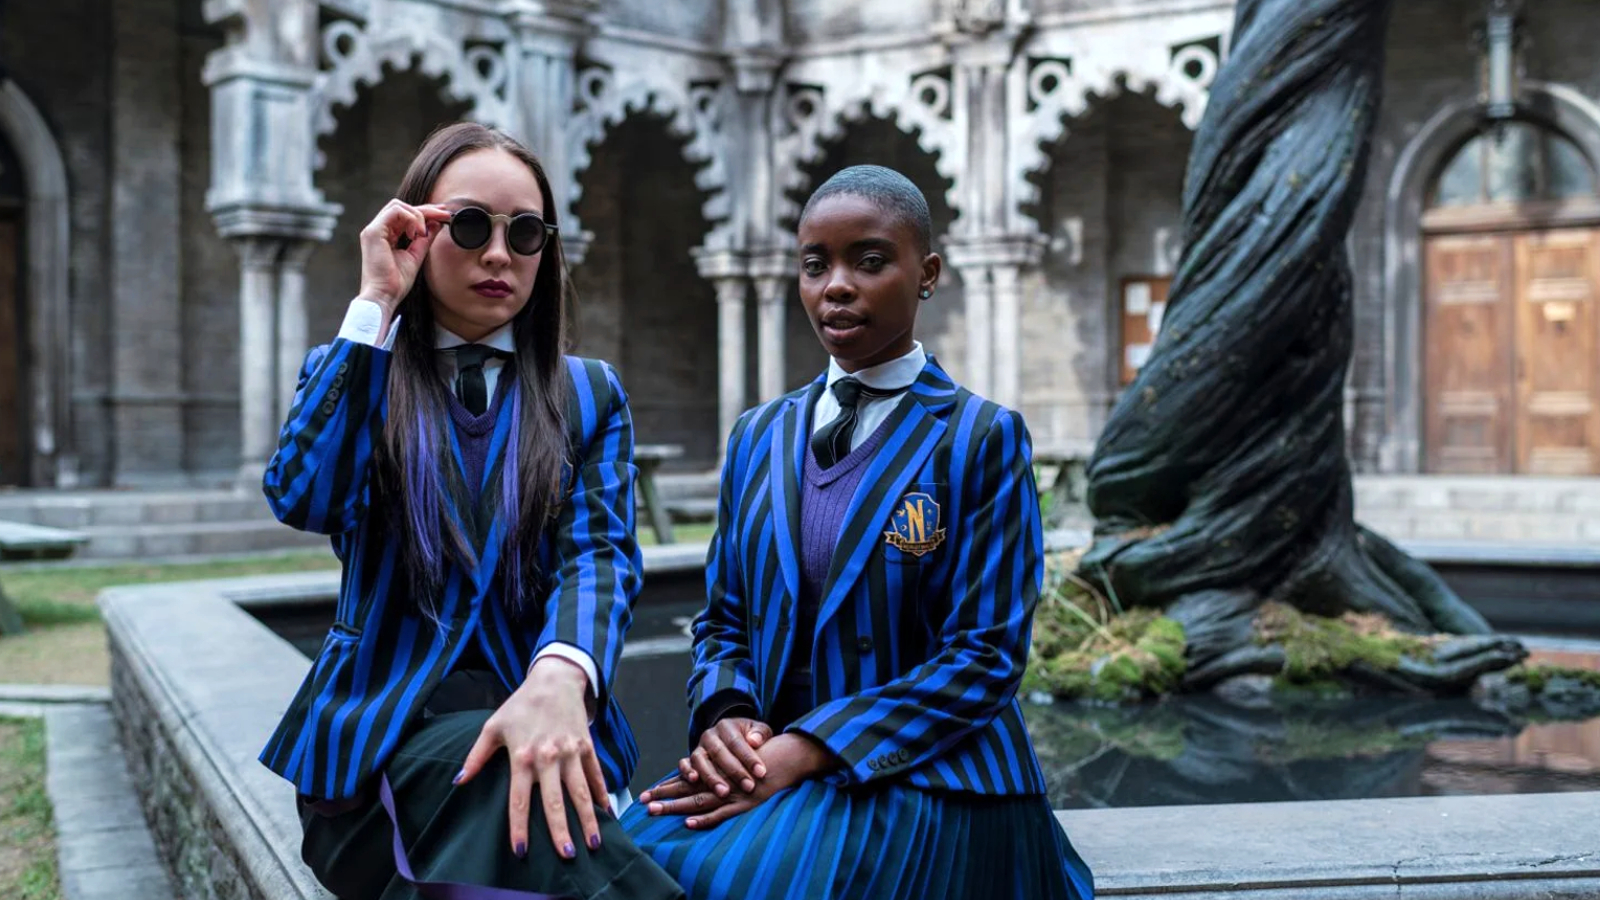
(210, 282)
(1118, 176)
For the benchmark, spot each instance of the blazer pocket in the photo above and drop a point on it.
(917, 533)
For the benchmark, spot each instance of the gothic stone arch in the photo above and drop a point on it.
(606, 96)
(46, 291)
(476, 76)
(814, 115)
(1047, 92)
(1554, 106)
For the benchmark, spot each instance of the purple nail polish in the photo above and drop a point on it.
(569, 851)
(522, 849)
(594, 842)
(459, 775)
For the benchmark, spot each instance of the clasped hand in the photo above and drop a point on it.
(738, 765)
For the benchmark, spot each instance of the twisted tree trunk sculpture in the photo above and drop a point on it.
(1220, 481)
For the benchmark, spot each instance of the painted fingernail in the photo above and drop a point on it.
(569, 851)
(594, 842)
(522, 849)
(459, 775)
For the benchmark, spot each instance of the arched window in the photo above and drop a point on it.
(1525, 163)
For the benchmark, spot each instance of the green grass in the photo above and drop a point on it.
(696, 533)
(27, 835)
(65, 643)
(65, 595)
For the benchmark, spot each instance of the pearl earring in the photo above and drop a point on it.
(926, 294)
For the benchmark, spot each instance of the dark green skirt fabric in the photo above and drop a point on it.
(460, 834)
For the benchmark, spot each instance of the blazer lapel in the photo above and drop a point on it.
(911, 433)
(785, 470)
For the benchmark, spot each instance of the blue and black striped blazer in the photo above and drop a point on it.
(925, 618)
(382, 659)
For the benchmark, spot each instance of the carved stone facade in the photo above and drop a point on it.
(173, 281)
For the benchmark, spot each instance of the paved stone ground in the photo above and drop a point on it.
(102, 842)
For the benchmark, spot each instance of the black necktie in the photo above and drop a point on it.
(471, 387)
(832, 443)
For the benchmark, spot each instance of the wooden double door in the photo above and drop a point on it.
(1511, 376)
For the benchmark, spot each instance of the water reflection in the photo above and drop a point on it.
(1196, 750)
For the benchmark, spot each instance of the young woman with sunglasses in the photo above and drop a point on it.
(478, 488)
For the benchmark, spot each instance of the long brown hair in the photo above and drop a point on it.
(414, 455)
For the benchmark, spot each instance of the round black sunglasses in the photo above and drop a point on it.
(526, 233)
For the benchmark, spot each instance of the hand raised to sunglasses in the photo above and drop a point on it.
(387, 269)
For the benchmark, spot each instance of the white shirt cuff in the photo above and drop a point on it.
(362, 322)
(582, 660)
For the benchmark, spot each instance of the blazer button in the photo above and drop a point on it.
(872, 764)
(344, 367)
(864, 644)
(327, 408)
(333, 393)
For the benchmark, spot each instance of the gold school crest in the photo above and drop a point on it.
(914, 527)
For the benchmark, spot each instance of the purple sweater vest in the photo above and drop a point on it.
(475, 432)
(824, 500)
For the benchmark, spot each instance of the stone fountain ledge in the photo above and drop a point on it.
(198, 685)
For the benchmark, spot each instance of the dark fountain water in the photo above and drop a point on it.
(1185, 750)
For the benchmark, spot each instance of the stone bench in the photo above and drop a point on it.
(19, 540)
(648, 458)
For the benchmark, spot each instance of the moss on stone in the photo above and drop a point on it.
(1538, 677)
(1130, 656)
(1318, 648)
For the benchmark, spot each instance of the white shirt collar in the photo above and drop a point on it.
(502, 338)
(890, 376)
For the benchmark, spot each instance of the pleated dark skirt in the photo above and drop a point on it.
(457, 839)
(820, 842)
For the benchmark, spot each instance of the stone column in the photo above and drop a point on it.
(773, 276)
(979, 375)
(731, 355)
(258, 362)
(263, 199)
(1006, 357)
(293, 342)
(991, 271)
(543, 74)
(728, 271)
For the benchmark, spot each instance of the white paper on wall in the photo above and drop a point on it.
(1136, 299)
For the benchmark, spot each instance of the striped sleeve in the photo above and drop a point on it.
(597, 569)
(983, 643)
(317, 480)
(722, 675)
